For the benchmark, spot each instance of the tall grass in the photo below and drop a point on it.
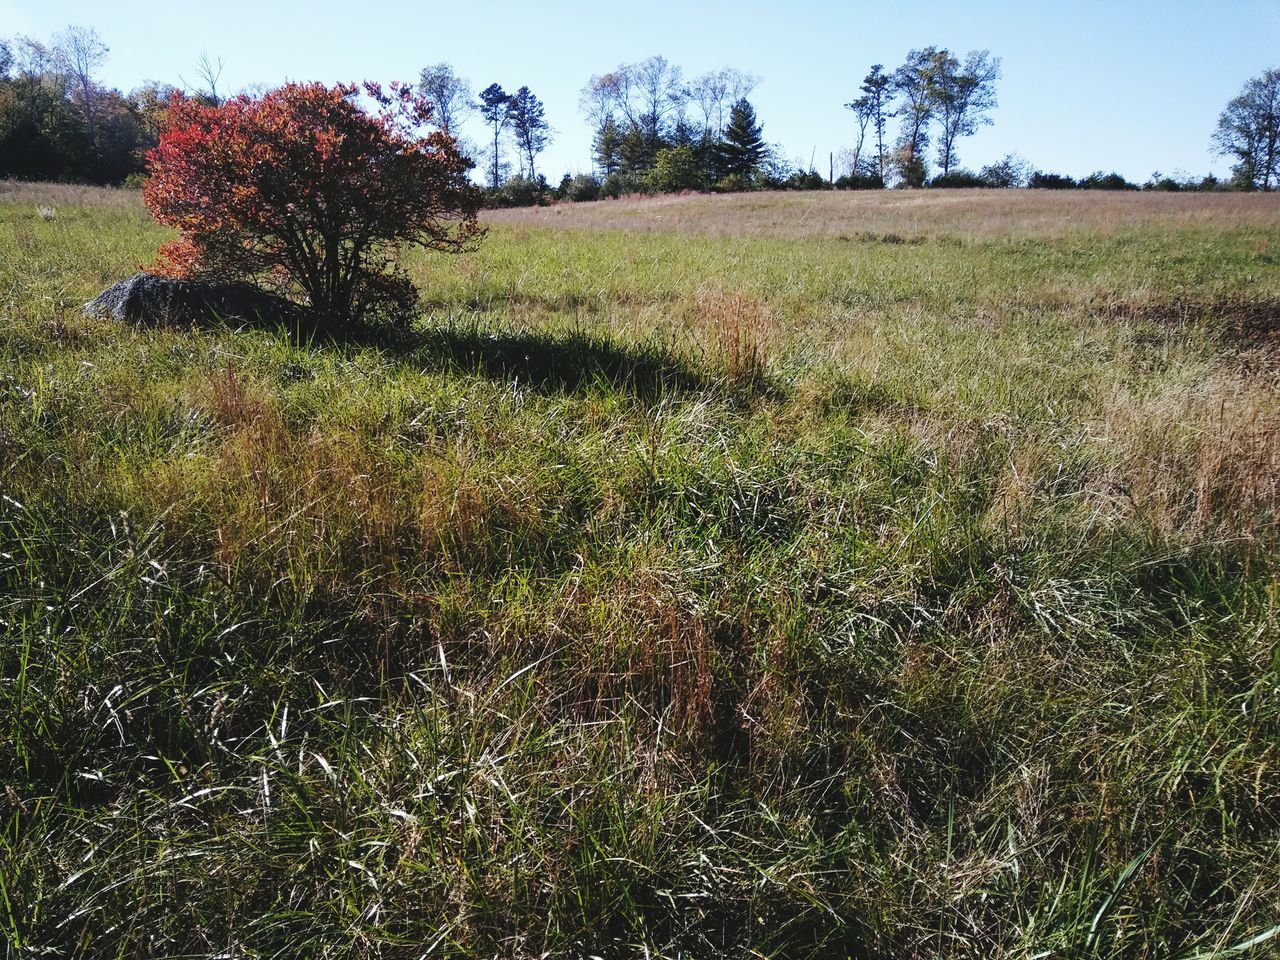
(655, 596)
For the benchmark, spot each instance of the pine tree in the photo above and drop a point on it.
(608, 146)
(742, 148)
(495, 107)
(528, 119)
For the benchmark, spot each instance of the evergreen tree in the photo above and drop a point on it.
(495, 107)
(742, 148)
(635, 150)
(608, 146)
(873, 110)
(528, 119)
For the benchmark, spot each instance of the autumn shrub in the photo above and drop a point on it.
(305, 192)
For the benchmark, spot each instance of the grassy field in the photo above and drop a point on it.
(765, 576)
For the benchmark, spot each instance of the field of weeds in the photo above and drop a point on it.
(792, 576)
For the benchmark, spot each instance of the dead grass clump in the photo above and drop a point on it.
(230, 401)
(737, 331)
(1237, 477)
(1207, 466)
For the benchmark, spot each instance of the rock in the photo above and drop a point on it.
(148, 299)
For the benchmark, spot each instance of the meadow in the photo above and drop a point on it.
(795, 576)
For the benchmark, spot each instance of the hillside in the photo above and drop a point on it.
(779, 576)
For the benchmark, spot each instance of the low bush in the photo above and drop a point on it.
(808, 180)
(624, 184)
(860, 181)
(583, 187)
(960, 179)
(1050, 181)
(521, 192)
(1106, 181)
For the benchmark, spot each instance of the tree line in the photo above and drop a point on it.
(652, 129)
(58, 123)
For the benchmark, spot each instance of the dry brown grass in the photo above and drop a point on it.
(898, 216)
(736, 330)
(1203, 463)
(68, 195)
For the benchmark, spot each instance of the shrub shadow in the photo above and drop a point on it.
(553, 363)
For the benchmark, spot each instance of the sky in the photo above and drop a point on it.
(1133, 86)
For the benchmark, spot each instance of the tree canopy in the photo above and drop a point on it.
(1249, 131)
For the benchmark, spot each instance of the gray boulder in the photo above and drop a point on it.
(148, 299)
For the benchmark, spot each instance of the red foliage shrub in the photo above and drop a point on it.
(305, 191)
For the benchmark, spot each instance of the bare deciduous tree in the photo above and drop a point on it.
(716, 92)
(79, 51)
(449, 95)
(208, 73)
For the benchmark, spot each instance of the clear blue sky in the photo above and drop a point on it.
(1130, 85)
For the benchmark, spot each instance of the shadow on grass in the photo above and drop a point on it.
(553, 362)
(572, 362)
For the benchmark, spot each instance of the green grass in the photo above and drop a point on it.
(866, 595)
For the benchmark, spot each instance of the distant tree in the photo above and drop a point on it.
(743, 147)
(715, 92)
(962, 96)
(529, 123)
(80, 52)
(1164, 183)
(960, 178)
(583, 187)
(32, 59)
(636, 151)
(6, 60)
(607, 147)
(874, 107)
(647, 99)
(122, 140)
(912, 84)
(208, 74)
(521, 191)
(601, 99)
(1249, 131)
(42, 134)
(150, 103)
(661, 96)
(326, 194)
(448, 94)
(863, 114)
(495, 107)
